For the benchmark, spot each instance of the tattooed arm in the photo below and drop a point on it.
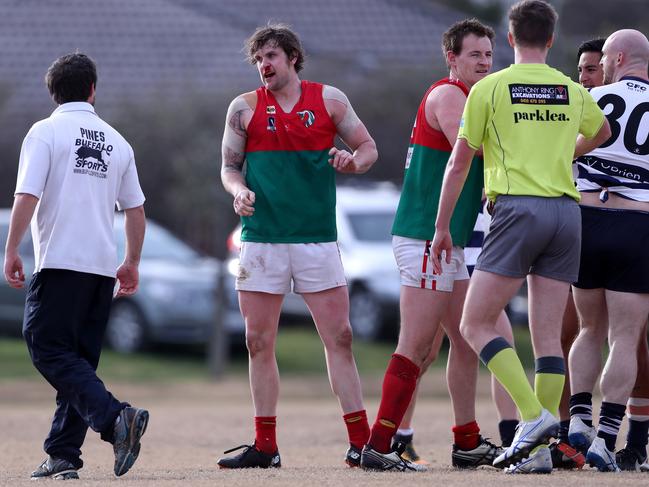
(233, 151)
(352, 132)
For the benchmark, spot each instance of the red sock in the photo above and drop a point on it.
(466, 436)
(358, 429)
(398, 385)
(265, 439)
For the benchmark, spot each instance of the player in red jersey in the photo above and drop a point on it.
(428, 298)
(284, 132)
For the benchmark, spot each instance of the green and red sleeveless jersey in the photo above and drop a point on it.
(288, 169)
(428, 154)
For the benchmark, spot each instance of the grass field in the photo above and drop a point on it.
(193, 419)
(299, 351)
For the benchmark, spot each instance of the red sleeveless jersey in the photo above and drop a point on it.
(307, 126)
(422, 132)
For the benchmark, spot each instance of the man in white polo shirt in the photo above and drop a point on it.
(73, 169)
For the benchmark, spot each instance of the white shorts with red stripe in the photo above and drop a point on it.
(415, 264)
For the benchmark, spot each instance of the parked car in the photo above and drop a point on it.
(364, 217)
(175, 304)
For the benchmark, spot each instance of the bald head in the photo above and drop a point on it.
(625, 53)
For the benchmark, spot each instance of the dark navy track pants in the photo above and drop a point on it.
(66, 313)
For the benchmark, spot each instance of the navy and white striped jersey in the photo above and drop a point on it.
(474, 246)
(621, 164)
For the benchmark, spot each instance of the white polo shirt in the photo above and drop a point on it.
(79, 167)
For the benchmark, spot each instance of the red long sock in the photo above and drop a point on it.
(265, 439)
(398, 385)
(466, 436)
(358, 429)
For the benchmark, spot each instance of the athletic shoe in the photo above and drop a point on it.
(580, 435)
(55, 468)
(566, 457)
(600, 457)
(250, 457)
(538, 462)
(373, 460)
(629, 459)
(529, 435)
(353, 456)
(483, 454)
(409, 452)
(130, 425)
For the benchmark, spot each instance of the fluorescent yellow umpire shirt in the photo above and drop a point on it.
(527, 117)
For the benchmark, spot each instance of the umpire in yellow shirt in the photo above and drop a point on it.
(527, 118)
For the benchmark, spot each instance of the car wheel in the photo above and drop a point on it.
(126, 331)
(365, 314)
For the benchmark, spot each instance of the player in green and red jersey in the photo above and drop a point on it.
(428, 298)
(285, 132)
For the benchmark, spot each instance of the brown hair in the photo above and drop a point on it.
(279, 34)
(452, 39)
(532, 23)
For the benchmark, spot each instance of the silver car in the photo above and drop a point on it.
(175, 304)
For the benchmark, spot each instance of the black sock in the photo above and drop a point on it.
(507, 429)
(636, 438)
(581, 405)
(564, 426)
(610, 419)
(403, 438)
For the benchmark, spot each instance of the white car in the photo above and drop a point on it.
(364, 217)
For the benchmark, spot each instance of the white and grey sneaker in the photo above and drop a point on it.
(483, 454)
(55, 468)
(580, 435)
(600, 457)
(529, 435)
(374, 460)
(538, 462)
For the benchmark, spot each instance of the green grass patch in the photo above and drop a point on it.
(299, 351)
(15, 364)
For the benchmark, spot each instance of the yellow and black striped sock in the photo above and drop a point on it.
(548, 382)
(501, 359)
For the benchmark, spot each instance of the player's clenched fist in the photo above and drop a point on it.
(244, 203)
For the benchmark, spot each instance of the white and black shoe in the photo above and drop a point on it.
(538, 462)
(630, 460)
(529, 435)
(600, 457)
(580, 435)
(483, 454)
(392, 461)
(250, 457)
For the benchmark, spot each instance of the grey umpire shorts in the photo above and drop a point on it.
(533, 235)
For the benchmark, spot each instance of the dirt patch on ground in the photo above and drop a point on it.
(192, 423)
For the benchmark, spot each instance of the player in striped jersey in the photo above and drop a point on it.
(564, 456)
(612, 292)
